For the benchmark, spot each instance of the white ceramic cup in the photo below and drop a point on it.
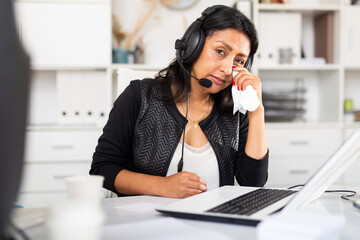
(84, 188)
(75, 220)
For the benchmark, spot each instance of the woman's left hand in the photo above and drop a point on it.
(245, 78)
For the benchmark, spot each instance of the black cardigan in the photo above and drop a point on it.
(142, 133)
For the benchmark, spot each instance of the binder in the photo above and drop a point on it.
(89, 97)
(63, 86)
(101, 107)
(43, 86)
(351, 36)
(324, 37)
(76, 95)
(82, 97)
(95, 98)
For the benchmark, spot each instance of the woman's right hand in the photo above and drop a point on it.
(182, 185)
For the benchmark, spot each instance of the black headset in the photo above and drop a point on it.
(190, 45)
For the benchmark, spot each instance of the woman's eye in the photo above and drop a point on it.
(239, 61)
(219, 51)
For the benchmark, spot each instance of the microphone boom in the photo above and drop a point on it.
(203, 82)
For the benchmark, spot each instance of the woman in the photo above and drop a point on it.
(141, 150)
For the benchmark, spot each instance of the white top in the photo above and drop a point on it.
(201, 161)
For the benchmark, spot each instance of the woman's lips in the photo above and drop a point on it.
(218, 80)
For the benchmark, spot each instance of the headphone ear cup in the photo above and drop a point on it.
(193, 46)
(249, 62)
(190, 45)
(188, 48)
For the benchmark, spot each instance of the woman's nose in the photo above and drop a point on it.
(227, 66)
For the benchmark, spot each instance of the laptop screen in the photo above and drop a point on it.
(327, 174)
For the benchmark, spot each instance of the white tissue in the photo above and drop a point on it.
(246, 100)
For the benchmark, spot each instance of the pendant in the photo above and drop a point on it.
(195, 125)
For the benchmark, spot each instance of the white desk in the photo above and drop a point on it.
(133, 218)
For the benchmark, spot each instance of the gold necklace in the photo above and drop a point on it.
(196, 123)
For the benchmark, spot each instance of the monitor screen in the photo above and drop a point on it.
(14, 81)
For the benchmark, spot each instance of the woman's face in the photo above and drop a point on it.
(222, 50)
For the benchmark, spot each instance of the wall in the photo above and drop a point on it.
(163, 27)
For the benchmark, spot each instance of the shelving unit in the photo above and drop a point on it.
(328, 86)
(351, 76)
(69, 53)
(56, 149)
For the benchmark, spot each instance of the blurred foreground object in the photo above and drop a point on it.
(14, 82)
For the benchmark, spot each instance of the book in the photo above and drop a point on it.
(324, 37)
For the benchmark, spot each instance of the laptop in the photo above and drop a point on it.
(250, 205)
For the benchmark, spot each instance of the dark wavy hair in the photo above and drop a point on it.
(173, 75)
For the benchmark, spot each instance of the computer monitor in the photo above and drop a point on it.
(14, 81)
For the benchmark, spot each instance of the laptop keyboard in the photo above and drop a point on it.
(252, 202)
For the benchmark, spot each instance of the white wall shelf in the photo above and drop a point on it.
(352, 125)
(290, 67)
(298, 8)
(304, 125)
(62, 128)
(352, 68)
(68, 67)
(137, 66)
